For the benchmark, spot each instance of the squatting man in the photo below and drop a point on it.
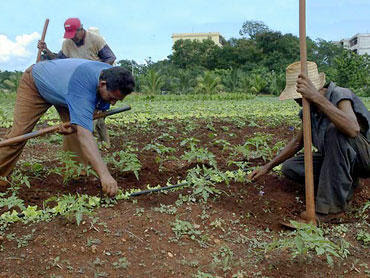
(76, 87)
(340, 132)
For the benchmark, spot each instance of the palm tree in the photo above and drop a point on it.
(257, 83)
(209, 83)
(152, 83)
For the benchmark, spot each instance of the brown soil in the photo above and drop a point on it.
(240, 220)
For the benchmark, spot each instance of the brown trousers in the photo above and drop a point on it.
(29, 107)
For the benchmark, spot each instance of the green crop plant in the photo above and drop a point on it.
(162, 151)
(191, 142)
(11, 202)
(159, 148)
(203, 187)
(307, 240)
(70, 168)
(256, 147)
(33, 167)
(222, 143)
(199, 155)
(16, 179)
(165, 137)
(71, 206)
(125, 161)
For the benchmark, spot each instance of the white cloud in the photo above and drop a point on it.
(10, 50)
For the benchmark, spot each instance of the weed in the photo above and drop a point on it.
(224, 257)
(182, 228)
(192, 263)
(201, 274)
(218, 224)
(55, 262)
(23, 240)
(363, 236)
(100, 274)
(98, 262)
(308, 238)
(168, 209)
(256, 147)
(139, 212)
(122, 263)
(92, 241)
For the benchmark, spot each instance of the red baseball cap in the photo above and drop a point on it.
(70, 26)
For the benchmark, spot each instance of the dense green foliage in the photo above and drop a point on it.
(252, 64)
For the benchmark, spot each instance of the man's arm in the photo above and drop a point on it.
(50, 55)
(90, 149)
(290, 150)
(342, 116)
(106, 55)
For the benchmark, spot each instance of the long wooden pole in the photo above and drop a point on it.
(307, 136)
(42, 39)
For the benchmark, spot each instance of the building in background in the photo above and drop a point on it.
(359, 43)
(214, 36)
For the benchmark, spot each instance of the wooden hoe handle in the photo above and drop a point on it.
(42, 39)
(307, 136)
(55, 128)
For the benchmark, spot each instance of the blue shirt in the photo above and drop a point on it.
(72, 83)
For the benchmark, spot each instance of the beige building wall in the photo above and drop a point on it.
(360, 43)
(214, 36)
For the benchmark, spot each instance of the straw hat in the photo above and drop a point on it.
(292, 72)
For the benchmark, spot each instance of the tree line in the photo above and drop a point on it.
(253, 64)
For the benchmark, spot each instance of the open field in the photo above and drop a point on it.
(219, 225)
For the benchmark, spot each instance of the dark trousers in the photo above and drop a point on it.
(336, 171)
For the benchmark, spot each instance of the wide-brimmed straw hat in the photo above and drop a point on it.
(292, 72)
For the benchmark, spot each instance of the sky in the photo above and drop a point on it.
(141, 30)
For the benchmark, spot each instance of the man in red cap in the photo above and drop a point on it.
(80, 43)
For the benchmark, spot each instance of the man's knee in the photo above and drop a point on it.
(291, 169)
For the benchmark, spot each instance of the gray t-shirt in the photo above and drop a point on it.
(320, 122)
